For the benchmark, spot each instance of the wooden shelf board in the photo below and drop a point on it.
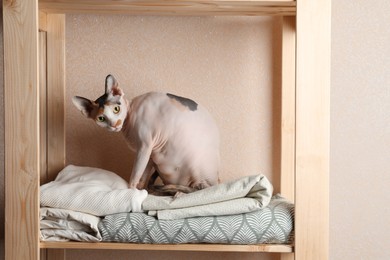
(272, 248)
(171, 7)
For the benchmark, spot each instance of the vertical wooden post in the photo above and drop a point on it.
(56, 93)
(287, 185)
(312, 130)
(288, 109)
(42, 112)
(43, 107)
(55, 25)
(21, 102)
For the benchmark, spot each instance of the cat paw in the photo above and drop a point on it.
(133, 185)
(141, 186)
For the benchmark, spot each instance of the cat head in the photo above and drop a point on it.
(109, 110)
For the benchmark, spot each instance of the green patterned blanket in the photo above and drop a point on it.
(272, 224)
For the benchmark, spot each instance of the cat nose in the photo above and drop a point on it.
(118, 123)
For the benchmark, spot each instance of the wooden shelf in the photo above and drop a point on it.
(304, 121)
(171, 7)
(271, 248)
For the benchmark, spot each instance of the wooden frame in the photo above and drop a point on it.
(35, 98)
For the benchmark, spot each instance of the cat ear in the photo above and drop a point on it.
(84, 105)
(112, 86)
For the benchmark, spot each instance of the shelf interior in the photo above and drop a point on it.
(169, 7)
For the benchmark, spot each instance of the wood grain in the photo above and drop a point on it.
(21, 103)
(42, 108)
(312, 130)
(55, 103)
(42, 21)
(288, 109)
(171, 7)
(55, 93)
(171, 247)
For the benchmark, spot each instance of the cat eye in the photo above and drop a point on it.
(101, 119)
(117, 109)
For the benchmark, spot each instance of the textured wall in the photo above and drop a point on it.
(228, 64)
(360, 130)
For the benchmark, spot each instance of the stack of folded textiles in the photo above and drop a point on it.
(92, 205)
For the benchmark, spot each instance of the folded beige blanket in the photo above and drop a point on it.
(100, 193)
(244, 195)
(66, 225)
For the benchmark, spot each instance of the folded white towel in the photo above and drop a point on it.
(91, 190)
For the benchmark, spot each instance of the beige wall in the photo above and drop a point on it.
(360, 130)
(225, 63)
(201, 57)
